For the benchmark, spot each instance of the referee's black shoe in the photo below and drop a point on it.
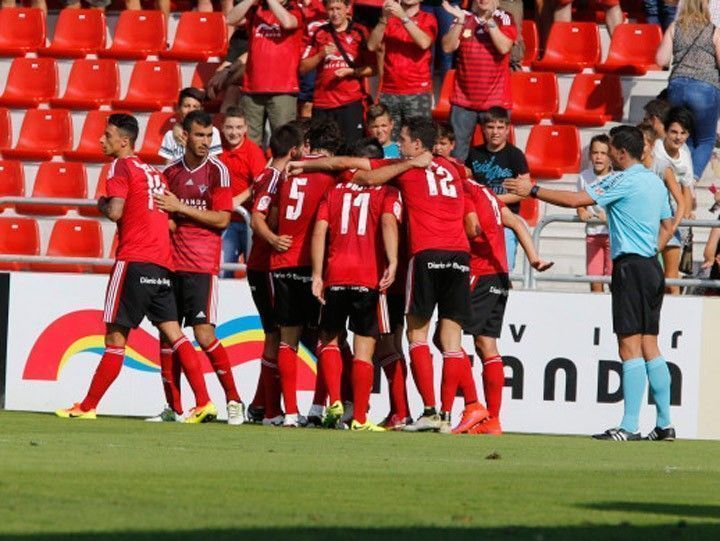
(618, 434)
(255, 415)
(661, 434)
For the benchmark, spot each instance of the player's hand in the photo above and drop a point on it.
(422, 160)
(168, 202)
(541, 265)
(329, 49)
(318, 290)
(455, 11)
(518, 186)
(281, 243)
(388, 277)
(294, 168)
(341, 73)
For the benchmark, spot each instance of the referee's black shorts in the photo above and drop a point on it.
(638, 287)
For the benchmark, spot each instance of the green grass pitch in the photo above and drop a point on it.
(126, 480)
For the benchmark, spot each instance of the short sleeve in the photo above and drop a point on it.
(222, 198)
(469, 203)
(168, 145)
(264, 202)
(430, 26)
(322, 212)
(118, 182)
(607, 190)
(392, 204)
(520, 165)
(507, 25)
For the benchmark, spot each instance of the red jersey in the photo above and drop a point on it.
(487, 250)
(197, 247)
(407, 66)
(315, 16)
(143, 229)
(273, 52)
(298, 199)
(244, 163)
(356, 251)
(264, 194)
(435, 205)
(482, 79)
(331, 91)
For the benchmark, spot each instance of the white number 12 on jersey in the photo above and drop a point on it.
(362, 201)
(440, 176)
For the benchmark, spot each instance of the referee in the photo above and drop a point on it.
(639, 220)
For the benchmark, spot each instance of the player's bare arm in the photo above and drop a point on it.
(259, 224)
(451, 40)
(673, 186)
(111, 207)
(386, 173)
(511, 198)
(521, 231)
(334, 163)
(667, 230)
(472, 225)
(562, 198)
(169, 202)
(317, 256)
(310, 63)
(391, 237)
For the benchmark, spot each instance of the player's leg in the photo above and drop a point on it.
(270, 379)
(421, 366)
(493, 378)
(287, 368)
(170, 372)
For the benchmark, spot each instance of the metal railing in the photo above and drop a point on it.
(531, 277)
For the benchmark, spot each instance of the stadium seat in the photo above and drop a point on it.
(22, 30)
(594, 99)
(138, 34)
(5, 128)
(478, 138)
(553, 151)
(91, 83)
(12, 180)
(105, 269)
(531, 39)
(30, 82)
(18, 236)
(534, 96)
(73, 238)
(571, 47)
(153, 85)
(100, 190)
(78, 32)
(56, 179)
(199, 36)
(44, 133)
(88, 149)
(158, 124)
(632, 50)
(441, 112)
(201, 75)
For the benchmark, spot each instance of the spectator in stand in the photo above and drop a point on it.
(315, 17)
(339, 53)
(442, 59)
(660, 12)
(380, 125)
(550, 11)
(483, 40)
(711, 258)
(270, 82)
(172, 146)
(405, 34)
(38, 4)
(692, 42)
(597, 239)
(245, 161)
(656, 112)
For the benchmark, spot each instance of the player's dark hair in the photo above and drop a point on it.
(628, 138)
(421, 128)
(284, 139)
(323, 134)
(657, 108)
(234, 112)
(368, 147)
(599, 138)
(127, 124)
(377, 110)
(198, 116)
(496, 114)
(191, 92)
(445, 131)
(680, 115)
(302, 125)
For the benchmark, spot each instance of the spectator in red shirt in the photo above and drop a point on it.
(270, 83)
(483, 40)
(406, 35)
(244, 160)
(339, 53)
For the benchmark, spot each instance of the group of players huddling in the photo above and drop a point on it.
(340, 243)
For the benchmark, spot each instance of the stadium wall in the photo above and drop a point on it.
(562, 369)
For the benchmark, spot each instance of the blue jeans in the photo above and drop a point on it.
(463, 122)
(658, 12)
(511, 244)
(234, 243)
(703, 99)
(444, 20)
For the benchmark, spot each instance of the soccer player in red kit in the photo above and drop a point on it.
(199, 201)
(140, 282)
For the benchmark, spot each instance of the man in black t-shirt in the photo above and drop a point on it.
(496, 161)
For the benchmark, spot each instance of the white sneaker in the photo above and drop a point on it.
(236, 413)
(167, 415)
(273, 421)
(294, 420)
(347, 415)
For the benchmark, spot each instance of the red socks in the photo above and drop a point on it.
(362, 382)
(422, 371)
(105, 374)
(467, 382)
(451, 374)
(270, 379)
(396, 373)
(347, 369)
(191, 366)
(221, 364)
(493, 381)
(287, 366)
(170, 371)
(331, 372)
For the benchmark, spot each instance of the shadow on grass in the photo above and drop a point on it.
(587, 532)
(672, 509)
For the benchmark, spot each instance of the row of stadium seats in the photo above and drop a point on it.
(139, 34)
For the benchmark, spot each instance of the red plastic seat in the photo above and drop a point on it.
(91, 83)
(152, 86)
(100, 190)
(30, 82)
(479, 139)
(56, 179)
(632, 50)
(571, 47)
(44, 133)
(88, 149)
(594, 99)
(73, 238)
(12, 180)
(18, 236)
(5, 128)
(534, 96)
(138, 34)
(158, 124)
(199, 36)
(22, 30)
(78, 32)
(441, 112)
(105, 269)
(201, 75)
(531, 39)
(553, 151)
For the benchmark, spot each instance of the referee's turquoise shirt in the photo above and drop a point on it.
(635, 200)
